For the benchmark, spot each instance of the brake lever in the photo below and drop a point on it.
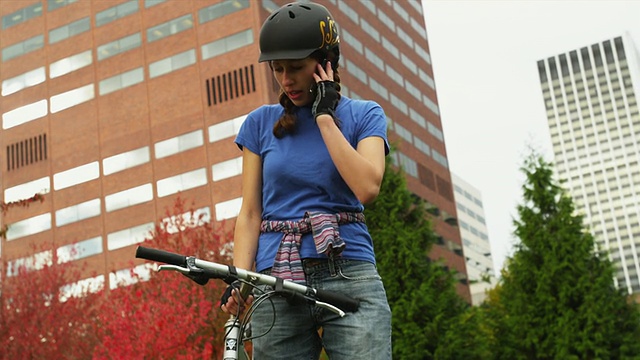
(191, 271)
(179, 269)
(330, 307)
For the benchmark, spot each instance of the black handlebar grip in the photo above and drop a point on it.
(343, 302)
(161, 256)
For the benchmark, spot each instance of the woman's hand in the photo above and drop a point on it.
(327, 95)
(232, 303)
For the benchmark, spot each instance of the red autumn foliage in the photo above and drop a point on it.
(169, 316)
(4, 207)
(35, 320)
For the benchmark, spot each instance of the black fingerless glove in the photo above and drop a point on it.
(227, 293)
(327, 97)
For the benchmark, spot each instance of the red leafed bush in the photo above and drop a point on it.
(37, 321)
(169, 316)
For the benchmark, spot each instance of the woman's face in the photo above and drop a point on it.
(296, 79)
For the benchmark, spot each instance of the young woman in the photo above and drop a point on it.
(309, 165)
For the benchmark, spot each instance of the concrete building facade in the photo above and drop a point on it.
(590, 98)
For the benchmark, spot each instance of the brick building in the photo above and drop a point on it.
(112, 109)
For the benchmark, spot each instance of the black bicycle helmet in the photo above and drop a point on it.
(296, 30)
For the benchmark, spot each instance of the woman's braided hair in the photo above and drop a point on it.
(287, 123)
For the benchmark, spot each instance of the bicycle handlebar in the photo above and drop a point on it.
(225, 272)
(161, 256)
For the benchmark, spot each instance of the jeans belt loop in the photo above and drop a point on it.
(332, 265)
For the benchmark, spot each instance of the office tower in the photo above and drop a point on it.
(590, 98)
(475, 239)
(112, 108)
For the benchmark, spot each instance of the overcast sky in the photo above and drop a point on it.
(484, 56)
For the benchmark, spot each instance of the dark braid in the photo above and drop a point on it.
(287, 123)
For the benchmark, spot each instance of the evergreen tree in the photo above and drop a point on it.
(421, 293)
(557, 298)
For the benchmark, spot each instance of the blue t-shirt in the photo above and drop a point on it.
(298, 174)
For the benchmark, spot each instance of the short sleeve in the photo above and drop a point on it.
(373, 123)
(249, 134)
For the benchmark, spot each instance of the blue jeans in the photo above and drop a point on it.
(364, 334)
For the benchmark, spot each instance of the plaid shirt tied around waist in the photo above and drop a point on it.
(326, 235)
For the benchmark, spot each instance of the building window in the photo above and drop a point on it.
(169, 28)
(413, 90)
(227, 44)
(172, 63)
(119, 46)
(126, 237)
(404, 37)
(426, 79)
(74, 213)
(433, 130)
(24, 114)
(419, 28)
(70, 64)
(395, 76)
(121, 81)
(422, 146)
(150, 3)
(22, 81)
(351, 40)
(125, 160)
(181, 182)
(401, 11)
(378, 88)
(391, 48)
(72, 98)
(125, 277)
(226, 129)
(228, 209)
(404, 133)
(69, 30)
(370, 30)
(357, 72)
(178, 144)
(21, 15)
(22, 48)
(369, 5)
(347, 10)
(30, 226)
(130, 197)
(408, 63)
(34, 262)
(57, 4)
(409, 165)
(221, 9)
(226, 169)
(81, 288)
(430, 105)
(116, 12)
(374, 58)
(439, 158)
(79, 250)
(399, 104)
(417, 118)
(27, 190)
(386, 20)
(75, 176)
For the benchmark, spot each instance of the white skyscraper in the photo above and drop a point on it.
(475, 241)
(592, 111)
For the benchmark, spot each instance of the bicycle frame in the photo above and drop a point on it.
(201, 271)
